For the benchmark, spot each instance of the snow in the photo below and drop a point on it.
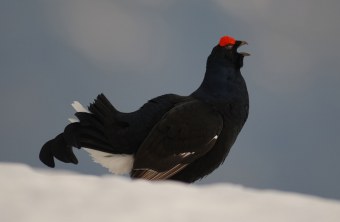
(39, 195)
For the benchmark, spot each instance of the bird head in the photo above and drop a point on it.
(226, 52)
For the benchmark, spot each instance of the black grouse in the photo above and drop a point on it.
(174, 137)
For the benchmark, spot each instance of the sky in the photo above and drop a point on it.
(55, 52)
(63, 196)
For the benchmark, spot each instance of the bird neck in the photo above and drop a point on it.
(220, 83)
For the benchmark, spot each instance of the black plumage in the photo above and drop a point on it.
(170, 137)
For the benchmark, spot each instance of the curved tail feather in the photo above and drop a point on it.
(88, 130)
(59, 149)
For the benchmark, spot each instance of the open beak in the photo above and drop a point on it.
(245, 53)
(241, 44)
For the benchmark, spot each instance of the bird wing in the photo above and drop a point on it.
(185, 133)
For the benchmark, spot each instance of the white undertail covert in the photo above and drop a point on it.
(115, 163)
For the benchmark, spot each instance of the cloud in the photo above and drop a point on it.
(110, 33)
(243, 8)
(288, 39)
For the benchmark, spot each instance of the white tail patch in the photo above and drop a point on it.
(115, 163)
(73, 120)
(79, 107)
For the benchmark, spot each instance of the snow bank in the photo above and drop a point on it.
(33, 195)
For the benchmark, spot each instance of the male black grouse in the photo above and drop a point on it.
(174, 137)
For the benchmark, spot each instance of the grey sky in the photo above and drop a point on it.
(54, 52)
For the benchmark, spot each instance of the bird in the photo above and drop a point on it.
(171, 137)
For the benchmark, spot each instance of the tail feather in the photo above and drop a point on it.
(94, 127)
(75, 134)
(87, 119)
(91, 129)
(59, 149)
(103, 109)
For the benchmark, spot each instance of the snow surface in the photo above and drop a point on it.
(28, 194)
